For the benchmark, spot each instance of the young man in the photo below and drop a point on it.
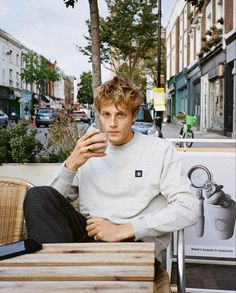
(136, 190)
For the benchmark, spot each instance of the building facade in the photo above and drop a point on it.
(201, 54)
(10, 73)
(14, 92)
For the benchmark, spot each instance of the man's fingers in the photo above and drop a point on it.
(89, 134)
(92, 233)
(96, 147)
(93, 220)
(90, 227)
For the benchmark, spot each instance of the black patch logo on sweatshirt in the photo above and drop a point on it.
(138, 173)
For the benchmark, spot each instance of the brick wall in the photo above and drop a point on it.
(177, 45)
(228, 17)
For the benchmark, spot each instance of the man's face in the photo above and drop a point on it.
(117, 122)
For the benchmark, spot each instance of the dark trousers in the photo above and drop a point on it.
(50, 218)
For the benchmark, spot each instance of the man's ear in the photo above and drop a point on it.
(134, 116)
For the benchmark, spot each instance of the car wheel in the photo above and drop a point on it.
(5, 124)
(37, 124)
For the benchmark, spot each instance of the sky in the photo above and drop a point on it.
(52, 30)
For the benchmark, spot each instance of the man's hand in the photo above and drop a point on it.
(106, 231)
(84, 150)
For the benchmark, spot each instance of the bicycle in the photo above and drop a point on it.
(186, 131)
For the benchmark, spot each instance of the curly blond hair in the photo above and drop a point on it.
(120, 92)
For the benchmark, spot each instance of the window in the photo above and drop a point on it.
(10, 54)
(17, 79)
(10, 77)
(219, 12)
(191, 45)
(3, 76)
(17, 59)
(22, 60)
(10, 73)
(209, 20)
(4, 51)
(217, 104)
(198, 37)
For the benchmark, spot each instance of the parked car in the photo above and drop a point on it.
(45, 116)
(3, 119)
(80, 116)
(145, 123)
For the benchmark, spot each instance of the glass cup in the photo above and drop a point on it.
(99, 136)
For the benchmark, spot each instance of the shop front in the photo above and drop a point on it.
(171, 105)
(4, 97)
(194, 92)
(26, 104)
(181, 93)
(213, 67)
(230, 86)
(9, 100)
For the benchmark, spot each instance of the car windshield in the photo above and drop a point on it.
(45, 111)
(144, 115)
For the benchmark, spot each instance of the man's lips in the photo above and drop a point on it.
(113, 132)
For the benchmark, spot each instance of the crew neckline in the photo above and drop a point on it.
(123, 146)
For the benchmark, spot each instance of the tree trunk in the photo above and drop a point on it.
(96, 60)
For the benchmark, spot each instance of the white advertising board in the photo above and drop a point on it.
(213, 182)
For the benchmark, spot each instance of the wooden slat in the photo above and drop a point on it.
(76, 287)
(78, 273)
(98, 247)
(82, 259)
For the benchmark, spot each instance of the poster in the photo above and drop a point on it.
(213, 182)
(158, 96)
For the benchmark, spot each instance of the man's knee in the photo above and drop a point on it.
(40, 194)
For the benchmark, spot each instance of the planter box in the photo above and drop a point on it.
(38, 174)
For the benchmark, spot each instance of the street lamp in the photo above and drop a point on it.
(159, 45)
(158, 114)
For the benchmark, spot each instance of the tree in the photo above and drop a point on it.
(150, 62)
(126, 34)
(85, 93)
(95, 40)
(37, 71)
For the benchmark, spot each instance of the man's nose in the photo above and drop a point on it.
(113, 121)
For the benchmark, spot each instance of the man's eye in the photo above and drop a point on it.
(121, 115)
(105, 114)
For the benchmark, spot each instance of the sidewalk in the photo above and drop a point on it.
(172, 131)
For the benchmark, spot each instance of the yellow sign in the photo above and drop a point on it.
(158, 95)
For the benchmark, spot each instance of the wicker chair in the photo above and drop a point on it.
(12, 194)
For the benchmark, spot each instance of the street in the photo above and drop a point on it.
(169, 131)
(172, 131)
(42, 132)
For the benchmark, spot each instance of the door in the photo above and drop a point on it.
(197, 102)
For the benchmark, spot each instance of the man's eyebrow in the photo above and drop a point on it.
(122, 111)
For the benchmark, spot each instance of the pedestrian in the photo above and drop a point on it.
(133, 191)
(14, 116)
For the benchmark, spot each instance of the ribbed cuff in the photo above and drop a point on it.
(140, 229)
(66, 174)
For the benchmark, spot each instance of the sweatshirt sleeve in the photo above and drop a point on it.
(63, 181)
(181, 209)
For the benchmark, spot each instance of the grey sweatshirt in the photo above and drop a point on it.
(141, 183)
